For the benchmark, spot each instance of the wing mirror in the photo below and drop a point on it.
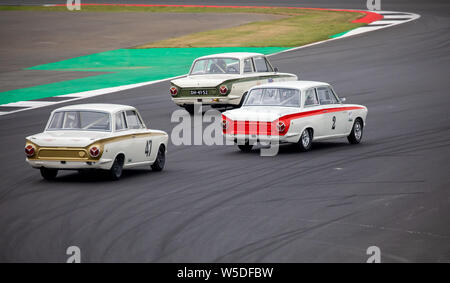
(275, 69)
(343, 99)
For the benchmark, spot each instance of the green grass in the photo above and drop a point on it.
(300, 26)
(124, 66)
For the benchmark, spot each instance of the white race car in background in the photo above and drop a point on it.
(224, 79)
(293, 112)
(95, 136)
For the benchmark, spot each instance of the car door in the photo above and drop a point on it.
(142, 147)
(334, 118)
(264, 70)
(318, 121)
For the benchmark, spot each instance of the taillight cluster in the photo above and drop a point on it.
(281, 126)
(225, 124)
(94, 151)
(223, 89)
(173, 91)
(30, 150)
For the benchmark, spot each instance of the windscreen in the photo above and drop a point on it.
(80, 120)
(216, 66)
(273, 97)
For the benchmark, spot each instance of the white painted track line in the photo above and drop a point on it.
(33, 104)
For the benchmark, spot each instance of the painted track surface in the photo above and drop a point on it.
(217, 204)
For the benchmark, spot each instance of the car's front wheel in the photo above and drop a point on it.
(158, 165)
(117, 168)
(305, 141)
(48, 174)
(356, 134)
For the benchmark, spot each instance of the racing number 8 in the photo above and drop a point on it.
(334, 123)
(148, 148)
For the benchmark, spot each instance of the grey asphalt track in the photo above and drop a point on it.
(214, 203)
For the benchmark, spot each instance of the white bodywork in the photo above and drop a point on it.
(327, 121)
(238, 83)
(69, 149)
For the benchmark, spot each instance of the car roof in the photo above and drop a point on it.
(301, 85)
(237, 55)
(105, 107)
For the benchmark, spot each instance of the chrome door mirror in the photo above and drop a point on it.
(343, 99)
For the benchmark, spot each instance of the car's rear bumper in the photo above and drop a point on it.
(209, 100)
(104, 164)
(288, 138)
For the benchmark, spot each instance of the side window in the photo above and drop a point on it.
(121, 122)
(310, 97)
(248, 66)
(57, 121)
(260, 64)
(269, 67)
(326, 96)
(133, 120)
(199, 67)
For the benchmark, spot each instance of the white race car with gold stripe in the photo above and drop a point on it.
(293, 112)
(96, 136)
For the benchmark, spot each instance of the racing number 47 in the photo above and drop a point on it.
(148, 148)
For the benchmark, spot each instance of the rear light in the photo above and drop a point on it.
(225, 124)
(173, 91)
(281, 127)
(223, 89)
(94, 152)
(29, 150)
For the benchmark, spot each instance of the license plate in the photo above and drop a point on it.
(199, 92)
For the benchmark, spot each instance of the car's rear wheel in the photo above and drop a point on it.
(158, 165)
(247, 147)
(356, 134)
(189, 108)
(48, 174)
(305, 141)
(117, 168)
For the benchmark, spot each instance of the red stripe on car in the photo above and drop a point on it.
(270, 128)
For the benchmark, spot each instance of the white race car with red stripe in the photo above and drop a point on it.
(293, 112)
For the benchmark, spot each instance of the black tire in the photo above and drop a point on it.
(117, 168)
(48, 174)
(245, 147)
(305, 141)
(158, 165)
(356, 134)
(242, 99)
(189, 108)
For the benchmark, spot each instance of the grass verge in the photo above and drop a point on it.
(299, 27)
